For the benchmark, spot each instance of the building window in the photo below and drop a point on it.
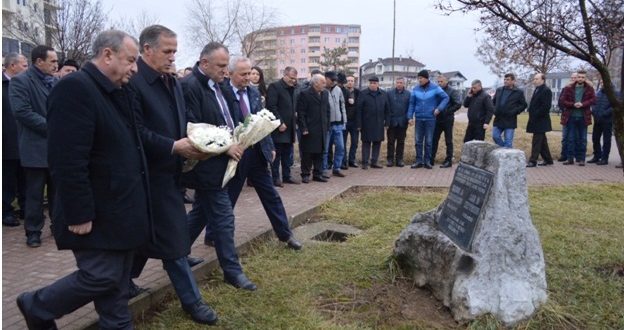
(338, 30)
(303, 51)
(338, 40)
(353, 49)
(292, 61)
(327, 29)
(303, 60)
(303, 41)
(354, 40)
(354, 29)
(292, 31)
(314, 39)
(292, 50)
(315, 29)
(292, 41)
(326, 39)
(302, 30)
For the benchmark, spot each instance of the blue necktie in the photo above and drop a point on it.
(224, 108)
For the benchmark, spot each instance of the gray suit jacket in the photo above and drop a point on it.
(28, 96)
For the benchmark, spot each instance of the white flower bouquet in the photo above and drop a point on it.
(210, 139)
(256, 127)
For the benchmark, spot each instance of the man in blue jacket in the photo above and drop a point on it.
(426, 102)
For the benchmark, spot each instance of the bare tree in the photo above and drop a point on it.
(335, 59)
(234, 23)
(589, 30)
(134, 24)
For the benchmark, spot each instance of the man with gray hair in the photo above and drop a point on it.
(162, 116)
(480, 112)
(281, 100)
(97, 163)
(313, 120)
(13, 184)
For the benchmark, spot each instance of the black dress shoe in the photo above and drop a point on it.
(278, 183)
(446, 164)
(134, 290)
(201, 313)
(344, 167)
(305, 179)
(353, 165)
(389, 163)
(375, 165)
(365, 166)
(10, 221)
(545, 163)
(241, 281)
(428, 166)
(593, 160)
(33, 240)
(319, 179)
(581, 163)
(619, 166)
(419, 165)
(531, 164)
(568, 162)
(32, 322)
(291, 181)
(192, 261)
(325, 176)
(603, 162)
(338, 174)
(294, 244)
(400, 163)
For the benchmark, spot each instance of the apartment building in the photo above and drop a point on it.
(26, 23)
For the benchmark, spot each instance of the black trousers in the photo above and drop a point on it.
(37, 179)
(102, 277)
(445, 127)
(605, 131)
(396, 142)
(474, 131)
(351, 130)
(366, 152)
(539, 146)
(13, 186)
(309, 160)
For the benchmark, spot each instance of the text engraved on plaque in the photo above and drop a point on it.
(460, 212)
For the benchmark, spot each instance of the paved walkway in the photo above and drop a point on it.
(24, 268)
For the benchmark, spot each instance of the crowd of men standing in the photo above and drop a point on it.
(107, 143)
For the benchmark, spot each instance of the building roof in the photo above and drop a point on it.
(388, 62)
(452, 74)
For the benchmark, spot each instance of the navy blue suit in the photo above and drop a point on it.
(254, 167)
(212, 203)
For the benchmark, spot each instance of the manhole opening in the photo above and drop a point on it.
(332, 236)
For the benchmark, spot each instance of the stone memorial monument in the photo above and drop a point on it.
(479, 251)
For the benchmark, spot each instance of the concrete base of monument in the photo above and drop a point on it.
(495, 263)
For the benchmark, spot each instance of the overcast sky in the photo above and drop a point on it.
(445, 43)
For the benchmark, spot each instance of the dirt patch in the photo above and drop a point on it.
(388, 305)
(615, 271)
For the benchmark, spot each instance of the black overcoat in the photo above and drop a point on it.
(281, 100)
(506, 115)
(28, 96)
(97, 164)
(539, 111)
(161, 114)
(313, 116)
(202, 107)
(9, 127)
(372, 114)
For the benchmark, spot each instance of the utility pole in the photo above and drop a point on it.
(393, 39)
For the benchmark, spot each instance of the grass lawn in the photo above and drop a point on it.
(354, 285)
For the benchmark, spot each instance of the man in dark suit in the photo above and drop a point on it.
(97, 162)
(281, 100)
(162, 116)
(398, 98)
(539, 121)
(28, 93)
(351, 95)
(253, 164)
(13, 183)
(313, 119)
(210, 101)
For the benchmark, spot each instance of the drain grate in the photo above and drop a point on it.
(332, 236)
